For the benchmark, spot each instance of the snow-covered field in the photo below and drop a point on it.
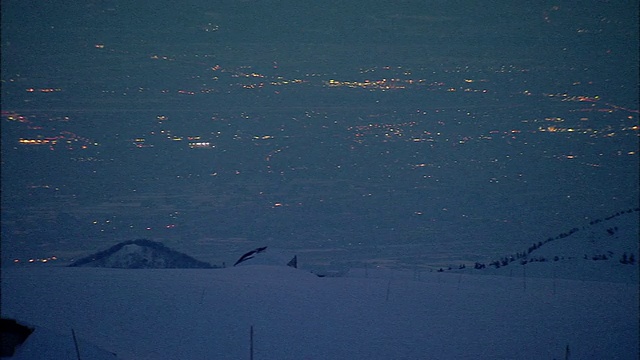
(372, 314)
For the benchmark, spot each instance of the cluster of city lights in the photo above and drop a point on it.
(35, 260)
(43, 90)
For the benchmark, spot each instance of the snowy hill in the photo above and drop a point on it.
(604, 250)
(140, 254)
(208, 314)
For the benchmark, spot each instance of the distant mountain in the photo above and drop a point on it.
(140, 254)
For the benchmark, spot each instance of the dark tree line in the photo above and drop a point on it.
(525, 257)
(630, 259)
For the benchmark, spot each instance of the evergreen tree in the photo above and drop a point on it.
(624, 259)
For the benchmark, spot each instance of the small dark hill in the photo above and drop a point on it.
(140, 254)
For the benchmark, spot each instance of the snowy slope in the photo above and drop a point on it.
(207, 313)
(611, 236)
(591, 252)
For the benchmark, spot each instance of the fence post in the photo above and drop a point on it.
(75, 342)
(251, 343)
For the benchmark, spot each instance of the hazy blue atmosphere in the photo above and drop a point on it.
(400, 134)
